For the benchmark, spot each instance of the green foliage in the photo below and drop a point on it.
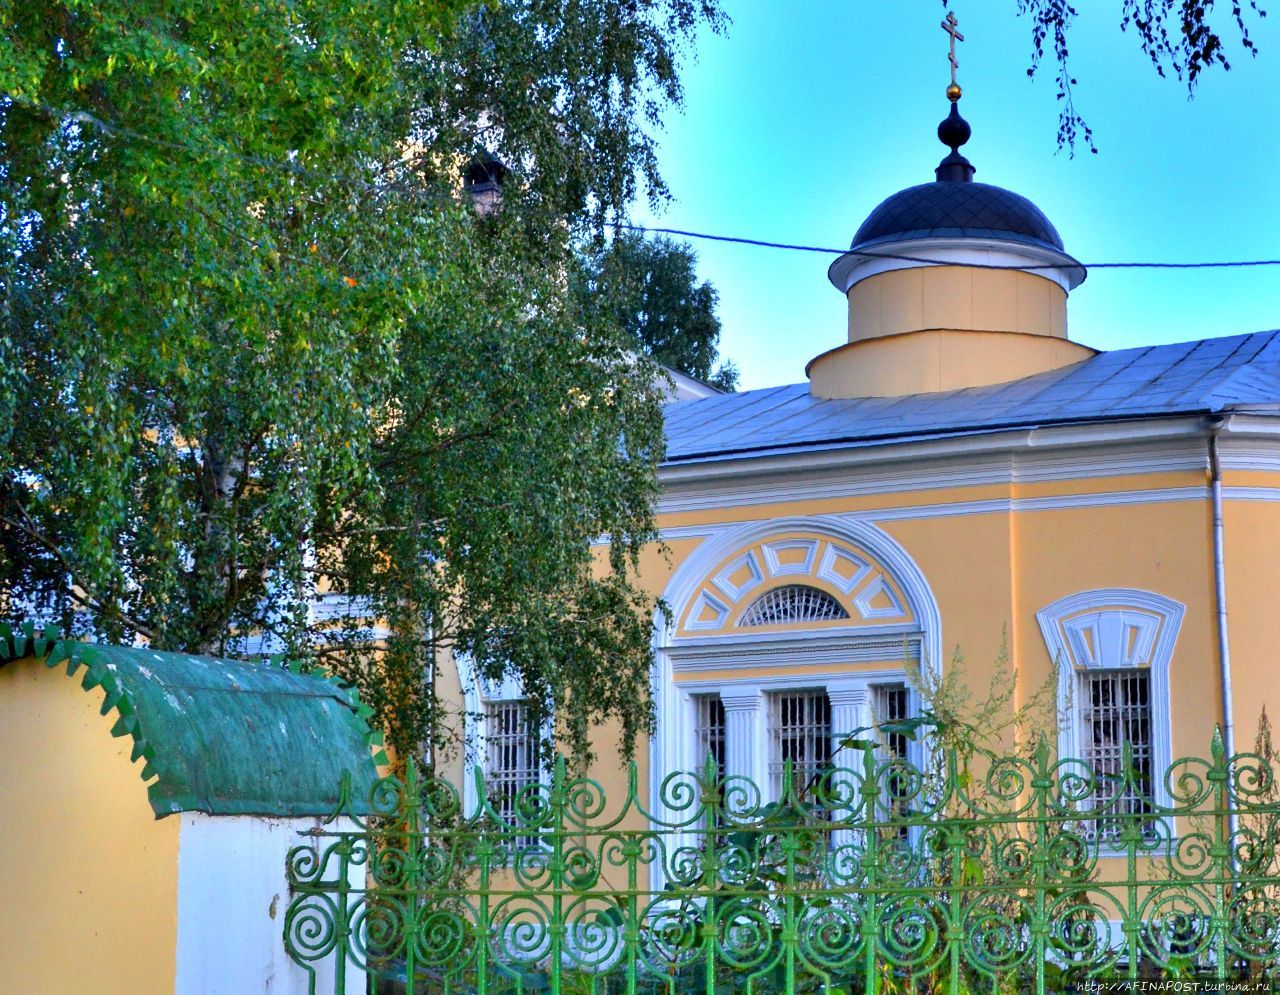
(1179, 37)
(650, 288)
(980, 724)
(568, 94)
(255, 340)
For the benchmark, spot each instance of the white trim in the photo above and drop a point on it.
(1056, 452)
(735, 592)
(779, 569)
(1251, 493)
(829, 647)
(1159, 620)
(476, 694)
(992, 506)
(764, 479)
(953, 250)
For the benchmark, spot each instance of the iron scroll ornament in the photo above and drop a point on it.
(876, 877)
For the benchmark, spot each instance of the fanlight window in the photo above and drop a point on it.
(795, 603)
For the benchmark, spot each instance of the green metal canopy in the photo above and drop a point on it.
(223, 736)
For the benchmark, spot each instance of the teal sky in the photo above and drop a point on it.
(805, 116)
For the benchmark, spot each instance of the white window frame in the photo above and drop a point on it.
(693, 661)
(773, 722)
(478, 695)
(1109, 630)
(747, 704)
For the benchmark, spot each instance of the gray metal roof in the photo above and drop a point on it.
(1205, 376)
(957, 210)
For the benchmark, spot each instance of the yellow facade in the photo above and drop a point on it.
(73, 800)
(992, 568)
(1072, 531)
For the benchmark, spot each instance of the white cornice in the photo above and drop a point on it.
(998, 506)
(852, 268)
(1024, 456)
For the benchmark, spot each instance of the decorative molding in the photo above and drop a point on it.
(778, 569)
(1060, 452)
(829, 570)
(723, 580)
(850, 269)
(815, 651)
(1115, 628)
(708, 602)
(1251, 493)
(878, 588)
(998, 506)
(670, 747)
(779, 487)
(733, 595)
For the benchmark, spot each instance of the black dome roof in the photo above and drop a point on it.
(957, 210)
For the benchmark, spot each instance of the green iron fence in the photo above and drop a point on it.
(1034, 874)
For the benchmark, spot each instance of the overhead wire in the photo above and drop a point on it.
(298, 169)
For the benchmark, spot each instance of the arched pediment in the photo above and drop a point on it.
(795, 578)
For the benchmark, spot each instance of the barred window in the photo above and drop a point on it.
(890, 703)
(799, 731)
(1115, 708)
(709, 731)
(794, 603)
(512, 755)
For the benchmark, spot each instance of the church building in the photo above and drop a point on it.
(958, 479)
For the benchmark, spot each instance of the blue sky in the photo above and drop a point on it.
(806, 115)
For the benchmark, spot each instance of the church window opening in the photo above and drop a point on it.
(777, 637)
(791, 605)
(1114, 649)
(512, 755)
(709, 731)
(891, 703)
(1115, 708)
(799, 732)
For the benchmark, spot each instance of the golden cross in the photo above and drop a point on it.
(949, 26)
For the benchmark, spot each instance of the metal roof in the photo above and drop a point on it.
(221, 736)
(1204, 376)
(959, 210)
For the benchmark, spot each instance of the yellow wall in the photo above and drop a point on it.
(991, 572)
(921, 362)
(932, 328)
(1252, 544)
(992, 300)
(88, 877)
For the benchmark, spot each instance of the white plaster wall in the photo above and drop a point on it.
(232, 900)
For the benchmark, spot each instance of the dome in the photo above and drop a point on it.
(955, 221)
(957, 210)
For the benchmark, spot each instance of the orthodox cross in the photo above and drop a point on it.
(949, 26)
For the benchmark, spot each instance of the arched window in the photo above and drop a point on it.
(793, 604)
(784, 637)
(1113, 647)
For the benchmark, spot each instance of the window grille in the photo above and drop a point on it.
(792, 604)
(890, 703)
(512, 747)
(709, 731)
(800, 731)
(1115, 707)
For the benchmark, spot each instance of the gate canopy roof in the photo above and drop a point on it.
(220, 736)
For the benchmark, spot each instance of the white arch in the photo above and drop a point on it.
(686, 581)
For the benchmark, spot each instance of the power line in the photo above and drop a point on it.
(297, 169)
(737, 240)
